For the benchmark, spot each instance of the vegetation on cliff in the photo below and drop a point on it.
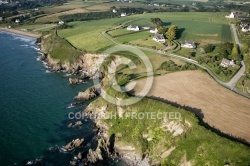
(154, 137)
(60, 49)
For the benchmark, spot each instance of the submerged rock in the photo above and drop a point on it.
(76, 124)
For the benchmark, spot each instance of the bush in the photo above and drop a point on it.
(209, 48)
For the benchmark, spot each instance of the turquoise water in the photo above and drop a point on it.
(32, 104)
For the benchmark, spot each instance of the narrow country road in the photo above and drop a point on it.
(232, 83)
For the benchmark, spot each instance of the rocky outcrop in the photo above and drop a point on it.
(76, 124)
(74, 144)
(74, 81)
(88, 94)
(87, 65)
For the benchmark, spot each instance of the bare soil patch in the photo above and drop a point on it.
(222, 108)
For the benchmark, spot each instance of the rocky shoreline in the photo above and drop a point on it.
(102, 146)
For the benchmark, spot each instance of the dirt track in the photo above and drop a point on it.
(221, 107)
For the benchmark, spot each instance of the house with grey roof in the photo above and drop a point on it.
(187, 44)
(226, 63)
(159, 38)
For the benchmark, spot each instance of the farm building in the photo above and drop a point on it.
(17, 21)
(133, 28)
(187, 44)
(226, 63)
(153, 30)
(114, 11)
(159, 38)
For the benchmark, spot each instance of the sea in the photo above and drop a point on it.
(33, 107)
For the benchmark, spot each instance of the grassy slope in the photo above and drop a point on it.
(59, 49)
(200, 145)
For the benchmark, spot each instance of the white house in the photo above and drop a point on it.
(153, 30)
(61, 22)
(133, 28)
(188, 44)
(226, 63)
(17, 21)
(232, 15)
(159, 38)
(114, 11)
(123, 14)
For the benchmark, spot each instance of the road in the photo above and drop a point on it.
(235, 35)
(230, 85)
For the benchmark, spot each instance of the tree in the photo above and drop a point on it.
(157, 21)
(171, 33)
(208, 48)
(225, 49)
(161, 30)
(235, 52)
(245, 49)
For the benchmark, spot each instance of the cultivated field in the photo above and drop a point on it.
(221, 108)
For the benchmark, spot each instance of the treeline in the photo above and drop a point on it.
(172, 66)
(88, 16)
(12, 8)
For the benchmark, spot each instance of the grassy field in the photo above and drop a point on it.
(202, 28)
(87, 35)
(134, 36)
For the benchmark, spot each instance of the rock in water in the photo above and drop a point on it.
(90, 93)
(73, 81)
(74, 144)
(76, 124)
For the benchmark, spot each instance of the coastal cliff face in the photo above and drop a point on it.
(67, 58)
(86, 65)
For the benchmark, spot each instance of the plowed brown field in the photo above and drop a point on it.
(221, 107)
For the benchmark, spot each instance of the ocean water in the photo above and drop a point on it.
(33, 101)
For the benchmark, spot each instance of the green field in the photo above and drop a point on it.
(201, 28)
(87, 35)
